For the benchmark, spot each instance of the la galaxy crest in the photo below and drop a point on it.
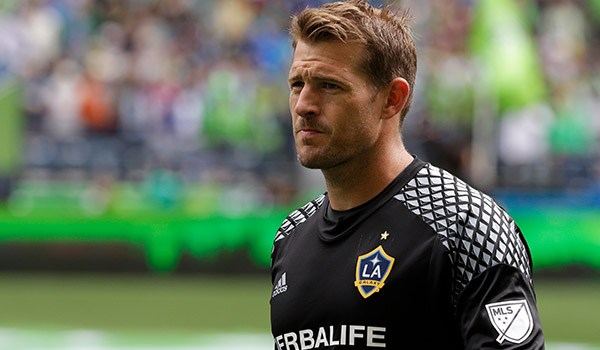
(372, 269)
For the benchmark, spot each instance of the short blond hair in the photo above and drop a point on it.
(386, 36)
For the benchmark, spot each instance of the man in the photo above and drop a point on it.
(398, 253)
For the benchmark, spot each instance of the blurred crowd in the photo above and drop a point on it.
(126, 90)
(514, 87)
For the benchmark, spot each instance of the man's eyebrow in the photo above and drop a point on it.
(316, 76)
(332, 78)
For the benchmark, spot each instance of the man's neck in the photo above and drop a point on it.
(351, 185)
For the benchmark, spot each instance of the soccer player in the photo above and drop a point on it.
(398, 253)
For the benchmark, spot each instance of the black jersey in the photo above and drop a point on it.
(429, 263)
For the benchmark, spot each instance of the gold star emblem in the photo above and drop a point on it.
(384, 235)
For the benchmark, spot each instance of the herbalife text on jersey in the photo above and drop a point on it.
(353, 335)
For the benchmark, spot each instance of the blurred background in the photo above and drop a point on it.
(146, 159)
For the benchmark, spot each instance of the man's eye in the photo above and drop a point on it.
(296, 85)
(330, 86)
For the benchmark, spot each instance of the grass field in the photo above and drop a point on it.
(159, 312)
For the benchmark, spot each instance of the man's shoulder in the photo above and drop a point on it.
(298, 216)
(476, 232)
(454, 209)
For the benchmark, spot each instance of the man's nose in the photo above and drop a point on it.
(307, 104)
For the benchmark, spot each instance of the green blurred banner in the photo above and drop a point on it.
(202, 224)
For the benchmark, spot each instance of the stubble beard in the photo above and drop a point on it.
(320, 160)
(314, 162)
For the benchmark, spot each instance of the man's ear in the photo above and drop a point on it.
(398, 91)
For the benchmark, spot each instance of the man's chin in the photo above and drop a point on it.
(316, 163)
(309, 163)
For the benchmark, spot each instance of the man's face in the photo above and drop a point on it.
(335, 111)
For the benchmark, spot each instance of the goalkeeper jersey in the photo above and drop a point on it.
(429, 263)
